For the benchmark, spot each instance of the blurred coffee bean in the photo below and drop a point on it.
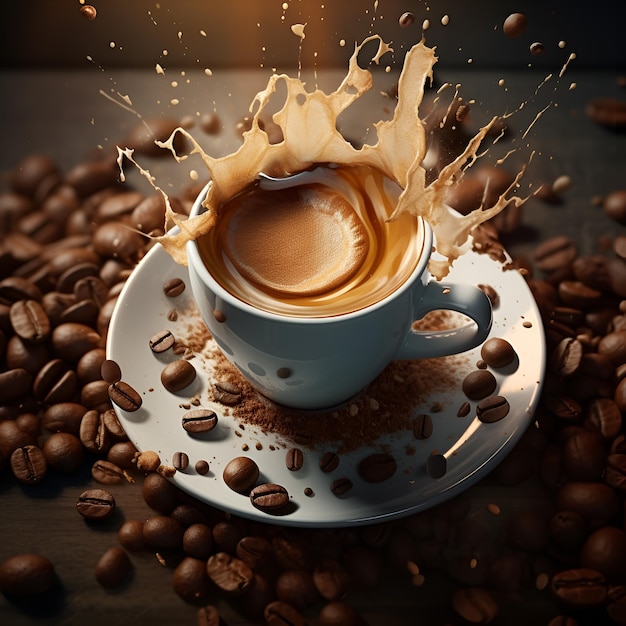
(113, 568)
(26, 575)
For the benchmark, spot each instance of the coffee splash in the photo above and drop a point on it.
(310, 137)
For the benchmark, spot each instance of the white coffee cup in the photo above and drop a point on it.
(320, 362)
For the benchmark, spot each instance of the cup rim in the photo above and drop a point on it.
(194, 258)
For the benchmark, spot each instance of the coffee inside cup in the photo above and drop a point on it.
(322, 247)
(304, 240)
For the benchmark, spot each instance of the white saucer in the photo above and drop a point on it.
(472, 448)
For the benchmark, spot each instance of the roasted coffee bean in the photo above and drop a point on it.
(107, 473)
(55, 382)
(566, 357)
(269, 497)
(130, 535)
(562, 406)
(177, 375)
(159, 493)
(555, 253)
(30, 321)
(198, 541)
(256, 552)
(180, 460)
(95, 395)
(497, 352)
(492, 409)
(479, 384)
(229, 574)
(113, 568)
(596, 502)
(199, 421)
(26, 575)
(436, 465)
(30, 357)
(339, 612)
(241, 474)
(615, 474)
(581, 587)
(377, 467)
(614, 205)
(89, 177)
(173, 287)
(89, 366)
(209, 616)
(68, 280)
(93, 433)
(29, 464)
(422, 426)
(161, 341)
(95, 504)
(279, 613)
(604, 416)
(124, 396)
(63, 452)
(119, 205)
(227, 393)
(161, 531)
(190, 580)
(584, 456)
(616, 604)
(296, 587)
(14, 384)
(149, 214)
(71, 341)
(226, 535)
(202, 467)
(331, 580)
(113, 425)
(613, 346)
(13, 437)
(576, 294)
(114, 240)
(329, 462)
(605, 551)
(294, 459)
(123, 454)
(474, 604)
(15, 288)
(341, 486)
(568, 529)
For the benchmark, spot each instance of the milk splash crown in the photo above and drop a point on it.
(310, 137)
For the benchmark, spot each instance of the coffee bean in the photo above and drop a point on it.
(436, 465)
(122, 394)
(615, 474)
(555, 253)
(202, 467)
(296, 587)
(95, 395)
(605, 551)
(26, 575)
(616, 608)
(613, 345)
(279, 613)
(30, 321)
(339, 612)
(422, 426)
(492, 294)
(294, 459)
(227, 393)
(377, 467)
(159, 493)
(604, 416)
(198, 541)
(584, 456)
(256, 552)
(230, 575)
(474, 604)
(341, 486)
(514, 25)
(113, 568)
(67, 281)
(329, 462)
(269, 497)
(130, 535)
(71, 341)
(199, 421)
(566, 357)
(497, 352)
(89, 365)
(95, 504)
(107, 473)
(114, 240)
(161, 531)
(63, 452)
(610, 112)
(16, 288)
(64, 417)
(174, 287)
(562, 406)
(29, 464)
(161, 341)
(241, 474)
(55, 382)
(110, 371)
(580, 587)
(614, 205)
(177, 375)
(479, 384)
(14, 384)
(190, 580)
(492, 409)
(568, 529)
(578, 295)
(180, 460)
(596, 502)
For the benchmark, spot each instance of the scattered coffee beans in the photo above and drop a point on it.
(199, 421)
(269, 497)
(241, 474)
(113, 568)
(26, 575)
(95, 504)
(177, 375)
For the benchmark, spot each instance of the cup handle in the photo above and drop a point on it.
(466, 299)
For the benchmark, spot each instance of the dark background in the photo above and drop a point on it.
(53, 33)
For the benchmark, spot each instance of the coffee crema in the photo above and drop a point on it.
(323, 247)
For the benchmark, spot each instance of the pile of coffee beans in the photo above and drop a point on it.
(68, 243)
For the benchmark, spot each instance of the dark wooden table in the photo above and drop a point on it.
(64, 114)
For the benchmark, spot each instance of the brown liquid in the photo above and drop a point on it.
(321, 248)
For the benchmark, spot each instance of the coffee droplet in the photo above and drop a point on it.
(297, 241)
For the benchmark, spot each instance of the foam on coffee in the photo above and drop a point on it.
(303, 240)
